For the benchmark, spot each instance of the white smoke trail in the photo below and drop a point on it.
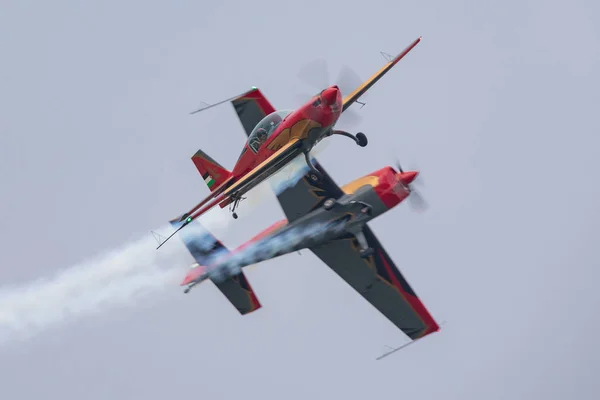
(117, 278)
(223, 265)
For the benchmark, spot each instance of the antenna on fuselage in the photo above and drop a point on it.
(207, 106)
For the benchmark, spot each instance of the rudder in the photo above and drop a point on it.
(213, 173)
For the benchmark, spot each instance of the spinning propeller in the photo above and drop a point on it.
(415, 198)
(316, 75)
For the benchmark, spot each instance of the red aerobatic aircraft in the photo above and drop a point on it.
(345, 243)
(275, 139)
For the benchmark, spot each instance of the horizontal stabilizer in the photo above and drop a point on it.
(238, 291)
(202, 244)
(198, 240)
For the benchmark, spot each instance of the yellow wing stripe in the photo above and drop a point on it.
(258, 169)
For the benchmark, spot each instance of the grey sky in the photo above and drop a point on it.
(496, 106)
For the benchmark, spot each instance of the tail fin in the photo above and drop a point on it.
(201, 243)
(213, 173)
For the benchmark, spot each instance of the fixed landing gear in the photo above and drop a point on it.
(366, 210)
(365, 250)
(314, 175)
(360, 138)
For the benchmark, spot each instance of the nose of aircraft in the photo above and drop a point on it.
(407, 177)
(329, 95)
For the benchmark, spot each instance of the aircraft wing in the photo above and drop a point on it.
(359, 91)
(376, 278)
(305, 195)
(201, 243)
(380, 282)
(277, 160)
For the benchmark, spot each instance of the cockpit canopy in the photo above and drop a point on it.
(265, 128)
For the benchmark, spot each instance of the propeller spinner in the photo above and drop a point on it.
(416, 200)
(316, 75)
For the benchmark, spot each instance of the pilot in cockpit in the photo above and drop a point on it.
(261, 135)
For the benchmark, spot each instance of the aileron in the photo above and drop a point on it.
(202, 245)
